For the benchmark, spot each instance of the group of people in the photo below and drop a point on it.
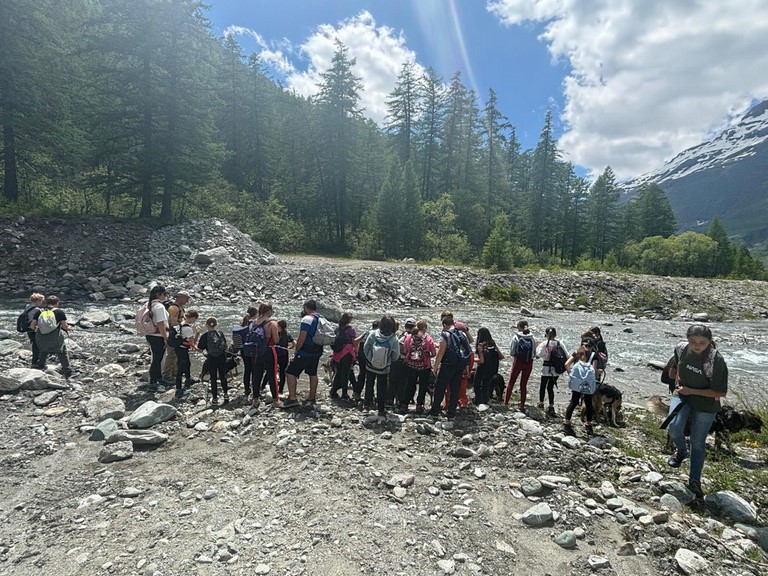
(396, 366)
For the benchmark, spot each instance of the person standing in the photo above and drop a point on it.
(284, 344)
(213, 343)
(344, 355)
(488, 358)
(381, 348)
(187, 334)
(36, 303)
(158, 340)
(175, 318)
(549, 374)
(701, 378)
(419, 351)
(265, 359)
(522, 351)
(50, 325)
(306, 358)
(450, 364)
(581, 366)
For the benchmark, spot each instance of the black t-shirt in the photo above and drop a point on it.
(57, 312)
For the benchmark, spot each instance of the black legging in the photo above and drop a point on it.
(157, 346)
(265, 364)
(575, 396)
(548, 386)
(413, 377)
(341, 379)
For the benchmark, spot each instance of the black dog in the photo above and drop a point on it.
(497, 387)
(607, 404)
(233, 361)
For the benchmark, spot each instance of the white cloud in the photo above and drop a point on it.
(379, 51)
(242, 31)
(649, 79)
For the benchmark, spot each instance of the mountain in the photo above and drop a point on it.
(726, 177)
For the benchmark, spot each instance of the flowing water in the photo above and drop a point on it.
(743, 344)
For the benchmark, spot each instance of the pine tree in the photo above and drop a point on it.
(602, 205)
(428, 130)
(402, 110)
(724, 257)
(542, 184)
(653, 212)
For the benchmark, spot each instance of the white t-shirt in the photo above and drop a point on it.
(544, 351)
(159, 314)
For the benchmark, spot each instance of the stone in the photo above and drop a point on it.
(46, 398)
(56, 411)
(17, 379)
(652, 477)
(101, 406)
(505, 548)
(128, 348)
(731, 505)
(437, 548)
(700, 317)
(96, 317)
(607, 490)
(690, 562)
(671, 503)
(400, 492)
(116, 452)
(462, 452)
(460, 511)
(598, 562)
(762, 538)
(571, 442)
(447, 566)
(103, 429)
(218, 254)
(566, 539)
(262, 569)
(614, 503)
(530, 486)
(137, 437)
(151, 413)
(626, 549)
(8, 347)
(538, 515)
(678, 490)
(111, 371)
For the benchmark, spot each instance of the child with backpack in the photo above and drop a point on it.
(419, 350)
(284, 344)
(262, 337)
(213, 343)
(49, 325)
(522, 352)
(344, 355)
(451, 363)
(360, 341)
(581, 366)
(24, 321)
(554, 355)
(381, 348)
(488, 357)
(601, 351)
(182, 337)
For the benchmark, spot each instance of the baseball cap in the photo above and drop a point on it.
(410, 322)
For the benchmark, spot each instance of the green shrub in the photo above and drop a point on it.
(648, 299)
(511, 293)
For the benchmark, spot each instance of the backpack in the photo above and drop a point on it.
(217, 343)
(417, 352)
(339, 341)
(46, 322)
(582, 377)
(24, 320)
(325, 333)
(524, 349)
(145, 325)
(458, 351)
(378, 358)
(557, 358)
(255, 340)
(175, 339)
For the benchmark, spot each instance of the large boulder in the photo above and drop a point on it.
(218, 254)
(331, 311)
(731, 505)
(96, 317)
(538, 515)
(104, 429)
(17, 379)
(151, 413)
(8, 347)
(137, 437)
(116, 452)
(111, 371)
(101, 406)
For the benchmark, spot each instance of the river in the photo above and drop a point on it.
(631, 343)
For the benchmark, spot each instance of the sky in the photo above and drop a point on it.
(631, 83)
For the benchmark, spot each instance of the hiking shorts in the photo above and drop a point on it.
(301, 364)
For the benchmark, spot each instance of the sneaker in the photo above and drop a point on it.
(334, 395)
(590, 430)
(226, 397)
(365, 407)
(676, 459)
(551, 411)
(189, 383)
(540, 406)
(310, 402)
(356, 397)
(382, 413)
(401, 410)
(420, 409)
(181, 393)
(291, 403)
(695, 487)
(214, 401)
(568, 429)
(345, 398)
(192, 381)
(166, 383)
(155, 387)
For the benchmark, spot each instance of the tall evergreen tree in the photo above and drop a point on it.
(653, 213)
(724, 256)
(428, 130)
(402, 109)
(542, 185)
(602, 206)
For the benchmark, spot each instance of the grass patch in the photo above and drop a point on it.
(648, 299)
(496, 293)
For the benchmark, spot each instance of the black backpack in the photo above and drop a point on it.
(524, 349)
(557, 358)
(458, 351)
(217, 343)
(23, 321)
(175, 339)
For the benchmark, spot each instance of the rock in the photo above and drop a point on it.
(101, 406)
(330, 310)
(262, 569)
(460, 511)
(214, 255)
(678, 490)
(151, 413)
(762, 538)
(462, 452)
(530, 486)
(731, 505)
(671, 502)
(566, 539)
(17, 379)
(128, 348)
(690, 562)
(598, 562)
(111, 371)
(538, 515)
(627, 549)
(571, 442)
(700, 317)
(137, 437)
(56, 411)
(447, 566)
(46, 398)
(437, 548)
(96, 317)
(103, 429)
(116, 452)
(505, 548)
(8, 347)
(90, 501)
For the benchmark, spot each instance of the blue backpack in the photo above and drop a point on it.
(458, 351)
(255, 340)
